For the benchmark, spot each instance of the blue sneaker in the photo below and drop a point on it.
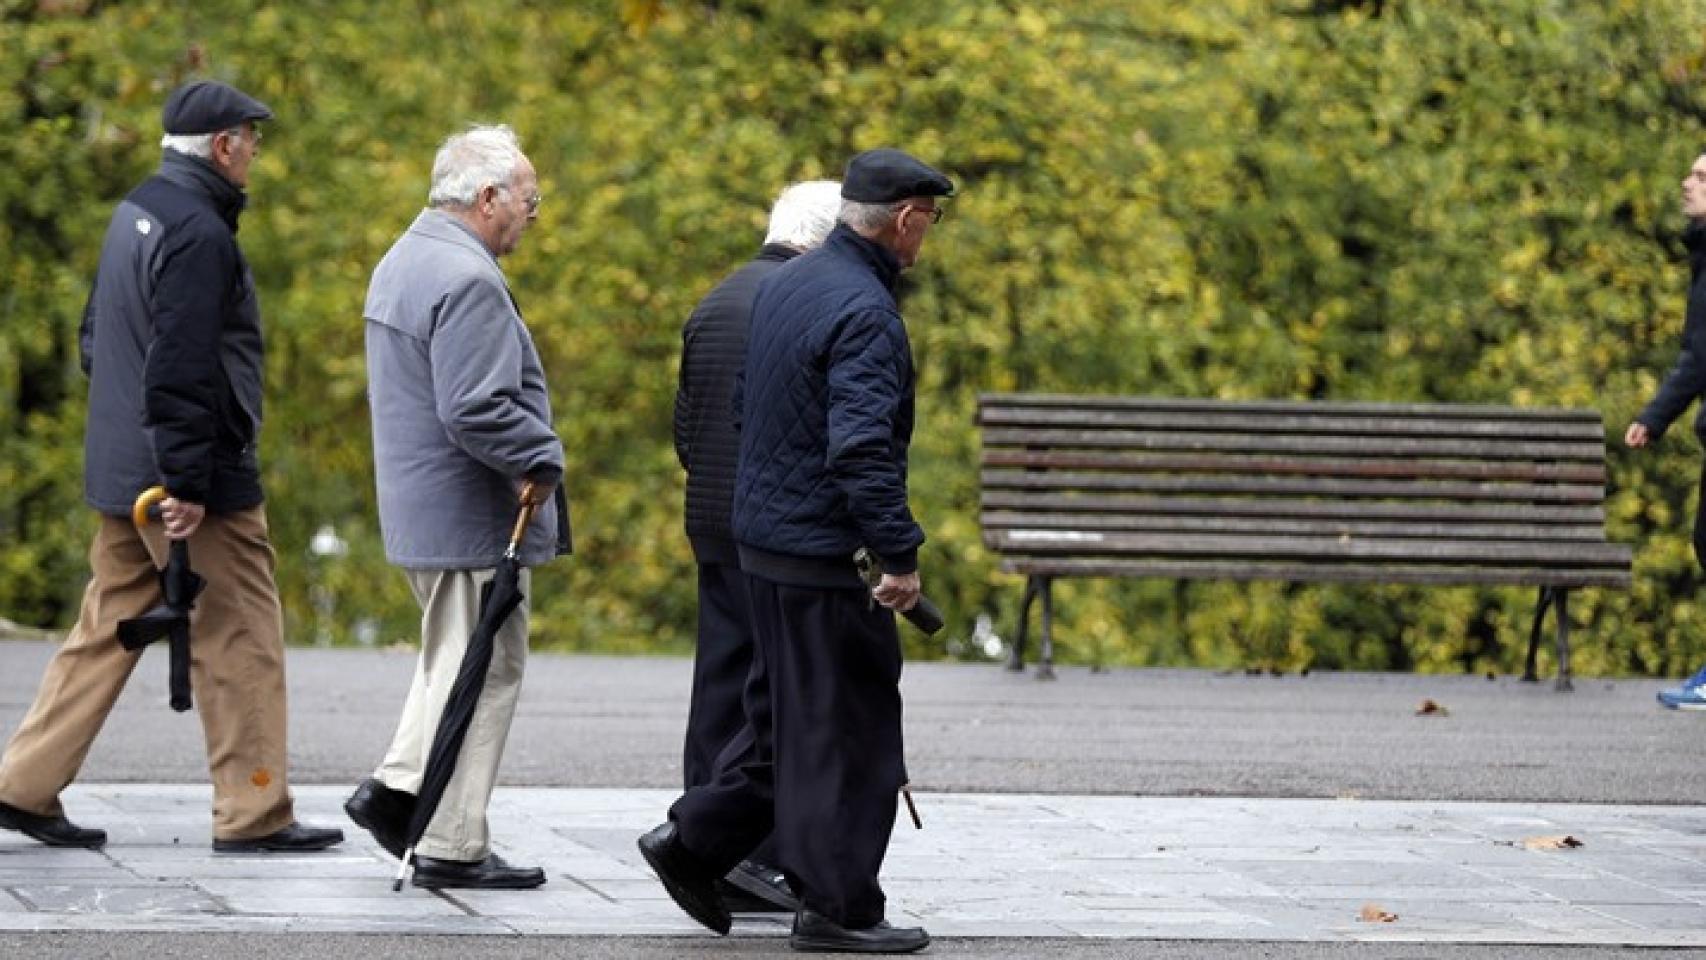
(1690, 696)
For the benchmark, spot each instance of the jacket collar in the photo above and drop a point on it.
(199, 176)
(1694, 238)
(846, 242)
(777, 252)
(440, 225)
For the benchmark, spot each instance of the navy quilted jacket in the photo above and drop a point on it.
(827, 410)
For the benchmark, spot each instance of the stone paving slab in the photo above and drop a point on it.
(985, 866)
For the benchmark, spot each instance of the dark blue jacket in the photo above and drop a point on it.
(713, 347)
(827, 413)
(1687, 379)
(171, 340)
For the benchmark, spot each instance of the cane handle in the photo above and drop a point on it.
(145, 501)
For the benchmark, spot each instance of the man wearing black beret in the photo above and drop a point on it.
(826, 412)
(171, 341)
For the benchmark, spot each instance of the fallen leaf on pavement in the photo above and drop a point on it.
(1372, 913)
(1430, 708)
(1560, 842)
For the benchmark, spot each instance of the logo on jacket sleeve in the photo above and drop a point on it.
(144, 226)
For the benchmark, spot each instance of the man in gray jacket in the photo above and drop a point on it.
(461, 421)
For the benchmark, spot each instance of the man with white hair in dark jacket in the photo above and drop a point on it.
(713, 347)
(826, 418)
(171, 341)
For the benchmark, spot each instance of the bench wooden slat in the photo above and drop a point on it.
(1316, 424)
(1442, 447)
(1284, 486)
(1446, 411)
(998, 499)
(1256, 546)
(1299, 466)
(1301, 491)
(1002, 520)
(1245, 570)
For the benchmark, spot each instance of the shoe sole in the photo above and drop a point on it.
(50, 841)
(1691, 707)
(814, 945)
(680, 896)
(249, 846)
(761, 891)
(361, 820)
(461, 885)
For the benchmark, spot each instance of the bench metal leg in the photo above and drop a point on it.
(1528, 671)
(1045, 666)
(1563, 607)
(1016, 657)
(1559, 599)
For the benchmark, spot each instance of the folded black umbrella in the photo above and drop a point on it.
(498, 599)
(170, 619)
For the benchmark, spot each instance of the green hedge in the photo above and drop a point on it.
(1406, 201)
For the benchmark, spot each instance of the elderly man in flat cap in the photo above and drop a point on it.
(713, 347)
(171, 342)
(826, 417)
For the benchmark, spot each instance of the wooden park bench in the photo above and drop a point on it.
(1305, 492)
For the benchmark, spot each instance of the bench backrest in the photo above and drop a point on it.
(1302, 491)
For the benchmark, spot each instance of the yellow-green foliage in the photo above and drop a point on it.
(1406, 201)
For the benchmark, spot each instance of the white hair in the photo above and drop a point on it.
(195, 144)
(804, 214)
(470, 161)
(868, 216)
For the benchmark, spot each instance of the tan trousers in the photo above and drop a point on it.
(450, 606)
(236, 672)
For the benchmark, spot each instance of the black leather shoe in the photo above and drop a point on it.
(492, 873)
(688, 883)
(816, 933)
(53, 831)
(295, 838)
(753, 887)
(383, 812)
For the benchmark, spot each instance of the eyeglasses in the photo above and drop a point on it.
(532, 201)
(935, 213)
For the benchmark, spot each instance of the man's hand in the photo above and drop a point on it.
(535, 492)
(898, 591)
(181, 517)
(1636, 436)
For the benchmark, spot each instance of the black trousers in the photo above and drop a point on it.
(722, 664)
(1700, 522)
(820, 758)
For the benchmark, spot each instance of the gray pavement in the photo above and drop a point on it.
(985, 866)
(1163, 813)
(617, 722)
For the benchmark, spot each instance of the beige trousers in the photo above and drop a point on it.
(236, 672)
(450, 606)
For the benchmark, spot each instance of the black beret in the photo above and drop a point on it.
(886, 175)
(208, 106)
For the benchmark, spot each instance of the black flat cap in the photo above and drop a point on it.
(887, 175)
(208, 106)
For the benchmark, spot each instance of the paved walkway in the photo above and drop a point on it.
(984, 866)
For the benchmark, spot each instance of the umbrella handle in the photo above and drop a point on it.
(523, 517)
(145, 501)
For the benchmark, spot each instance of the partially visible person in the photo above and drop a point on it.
(1685, 382)
(461, 423)
(826, 410)
(713, 345)
(171, 341)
